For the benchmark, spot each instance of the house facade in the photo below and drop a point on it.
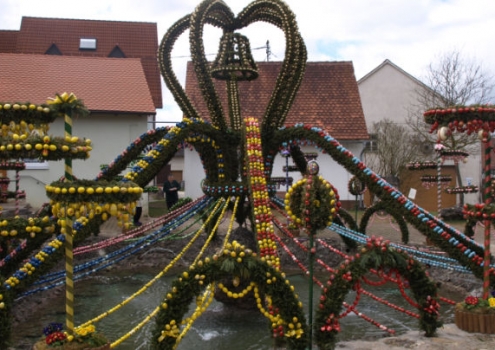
(388, 92)
(327, 98)
(110, 66)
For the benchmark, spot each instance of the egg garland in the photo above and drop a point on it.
(481, 120)
(45, 147)
(462, 118)
(83, 199)
(24, 228)
(24, 126)
(22, 115)
(312, 202)
(421, 165)
(14, 165)
(93, 191)
(231, 262)
(462, 189)
(376, 254)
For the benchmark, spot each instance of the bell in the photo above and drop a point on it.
(234, 60)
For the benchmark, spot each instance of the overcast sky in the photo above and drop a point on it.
(410, 33)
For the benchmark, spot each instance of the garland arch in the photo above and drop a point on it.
(234, 262)
(344, 218)
(457, 245)
(215, 145)
(397, 217)
(375, 255)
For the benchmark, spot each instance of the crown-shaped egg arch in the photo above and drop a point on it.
(216, 13)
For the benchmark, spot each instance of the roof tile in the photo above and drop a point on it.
(104, 84)
(328, 97)
(8, 39)
(135, 39)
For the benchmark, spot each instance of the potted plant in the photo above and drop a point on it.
(476, 315)
(84, 338)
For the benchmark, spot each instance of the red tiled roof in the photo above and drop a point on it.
(8, 39)
(328, 97)
(135, 39)
(104, 84)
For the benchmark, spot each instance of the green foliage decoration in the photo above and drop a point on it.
(233, 261)
(379, 206)
(378, 255)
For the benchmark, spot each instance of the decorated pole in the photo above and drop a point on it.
(475, 119)
(68, 135)
(313, 203)
(487, 200)
(439, 184)
(66, 103)
(69, 254)
(312, 250)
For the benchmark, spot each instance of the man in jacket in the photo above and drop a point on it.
(171, 189)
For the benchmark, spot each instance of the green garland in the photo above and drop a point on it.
(21, 228)
(344, 218)
(388, 208)
(6, 304)
(84, 191)
(479, 212)
(459, 113)
(44, 148)
(356, 186)
(33, 244)
(345, 158)
(180, 203)
(375, 255)
(234, 261)
(27, 112)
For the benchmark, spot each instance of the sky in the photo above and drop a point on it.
(410, 33)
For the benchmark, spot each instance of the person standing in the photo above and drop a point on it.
(138, 212)
(171, 189)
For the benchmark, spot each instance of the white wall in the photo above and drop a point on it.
(390, 93)
(329, 169)
(110, 135)
(387, 93)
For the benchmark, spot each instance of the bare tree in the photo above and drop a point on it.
(393, 148)
(451, 80)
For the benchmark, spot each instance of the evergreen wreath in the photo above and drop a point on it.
(356, 186)
(312, 202)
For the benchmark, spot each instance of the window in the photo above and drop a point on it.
(117, 52)
(53, 50)
(87, 44)
(372, 144)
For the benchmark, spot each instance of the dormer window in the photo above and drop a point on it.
(87, 44)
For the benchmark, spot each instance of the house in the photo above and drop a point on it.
(328, 98)
(109, 65)
(389, 92)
